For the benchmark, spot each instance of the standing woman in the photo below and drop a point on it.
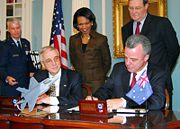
(89, 50)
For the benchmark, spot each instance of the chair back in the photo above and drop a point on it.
(86, 91)
(167, 100)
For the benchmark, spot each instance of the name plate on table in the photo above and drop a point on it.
(93, 107)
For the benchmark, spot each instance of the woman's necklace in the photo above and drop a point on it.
(86, 38)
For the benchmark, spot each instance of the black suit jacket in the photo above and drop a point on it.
(70, 85)
(15, 63)
(117, 86)
(164, 43)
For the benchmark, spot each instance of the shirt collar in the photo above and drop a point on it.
(50, 76)
(140, 72)
(141, 25)
(16, 40)
(142, 21)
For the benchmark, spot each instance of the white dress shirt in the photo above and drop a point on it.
(138, 74)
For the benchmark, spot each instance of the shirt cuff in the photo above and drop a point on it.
(54, 101)
(124, 120)
(54, 109)
(124, 102)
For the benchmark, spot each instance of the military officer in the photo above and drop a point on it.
(15, 64)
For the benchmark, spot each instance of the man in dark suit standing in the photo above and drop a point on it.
(67, 88)
(159, 30)
(137, 52)
(15, 63)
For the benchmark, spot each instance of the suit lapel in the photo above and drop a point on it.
(79, 44)
(146, 26)
(13, 46)
(90, 43)
(130, 29)
(91, 40)
(63, 82)
(149, 71)
(24, 47)
(126, 79)
(12, 43)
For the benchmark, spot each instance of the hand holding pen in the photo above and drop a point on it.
(91, 98)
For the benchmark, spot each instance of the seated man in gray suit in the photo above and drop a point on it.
(67, 88)
(137, 52)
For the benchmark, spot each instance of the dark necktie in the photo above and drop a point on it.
(19, 46)
(133, 80)
(137, 28)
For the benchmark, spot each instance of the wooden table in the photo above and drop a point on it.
(11, 118)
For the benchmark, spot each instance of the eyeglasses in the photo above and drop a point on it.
(50, 61)
(134, 8)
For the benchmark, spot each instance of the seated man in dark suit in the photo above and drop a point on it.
(137, 52)
(67, 88)
(164, 43)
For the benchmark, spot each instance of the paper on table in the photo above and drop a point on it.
(74, 109)
(120, 110)
(121, 118)
(125, 110)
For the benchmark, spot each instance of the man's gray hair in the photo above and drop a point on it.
(43, 49)
(14, 20)
(135, 40)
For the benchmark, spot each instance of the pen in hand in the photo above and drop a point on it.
(92, 97)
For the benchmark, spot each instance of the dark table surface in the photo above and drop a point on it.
(11, 117)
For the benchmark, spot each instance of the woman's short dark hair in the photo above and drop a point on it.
(87, 13)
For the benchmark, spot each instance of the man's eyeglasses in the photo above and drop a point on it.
(134, 8)
(50, 61)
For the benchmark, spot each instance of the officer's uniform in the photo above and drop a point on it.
(15, 63)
